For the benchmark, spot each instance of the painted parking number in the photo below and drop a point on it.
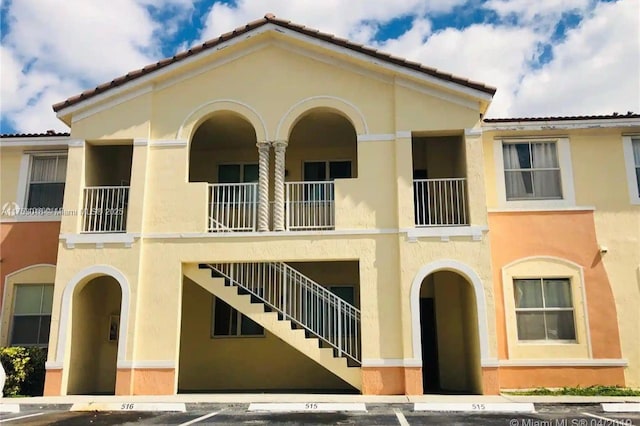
(310, 406)
(478, 407)
(127, 406)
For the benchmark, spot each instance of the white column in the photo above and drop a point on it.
(278, 210)
(263, 186)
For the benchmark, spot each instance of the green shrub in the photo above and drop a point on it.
(597, 390)
(25, 370)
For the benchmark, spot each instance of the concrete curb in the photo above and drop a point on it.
(313, 403)
(130, 406)
(491, 407)
(9, 408)
(629, 407)
(308, 407)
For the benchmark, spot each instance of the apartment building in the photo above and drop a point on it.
(279, 209)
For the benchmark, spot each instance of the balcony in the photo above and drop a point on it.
(440, 194)
(440, 202)
(233, 207)
(105, 209)
(309, 206)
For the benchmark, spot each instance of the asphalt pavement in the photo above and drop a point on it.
(375, 414)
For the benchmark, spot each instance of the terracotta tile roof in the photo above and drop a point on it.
(47, 134)
(564, 118)
(270, 18)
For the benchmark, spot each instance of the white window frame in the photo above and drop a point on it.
(627, 147)
(549, 267)
(566, 175)
(238, 334)
(14, 315)
(543, 309)
(24, 184)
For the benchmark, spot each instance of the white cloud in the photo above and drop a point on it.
(596, 70)
(496, 56)
(533, 10)
(95, 41)
(52, 50)
(354, 19)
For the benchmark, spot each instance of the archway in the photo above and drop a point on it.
(95, 332)
(322, 145)
(223, 150)
(449, 334)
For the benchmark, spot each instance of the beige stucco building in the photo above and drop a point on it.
(279, 209)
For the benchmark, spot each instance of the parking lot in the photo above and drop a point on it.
(376, 414)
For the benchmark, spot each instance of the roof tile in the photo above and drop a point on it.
(270, 18)
(564, 118)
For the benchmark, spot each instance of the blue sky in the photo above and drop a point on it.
(552, 57)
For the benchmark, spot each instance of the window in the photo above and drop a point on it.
(631, 150)
(31, 314)
(228, 322)
(318, 172)
(46, 181)
(235, 195)
(635, 147)
(237, 173)
(531, 171)
(544, 309)
(345, 293)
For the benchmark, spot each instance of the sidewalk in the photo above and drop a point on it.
(243, 398)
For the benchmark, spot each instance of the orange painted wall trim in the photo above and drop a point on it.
(490, 381)
(124, 381)
(383, 381)
(413, 381)
(569, 235)
(25, 244)
(53, 382)
(531, 377)
(154, 381)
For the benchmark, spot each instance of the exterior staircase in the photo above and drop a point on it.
(291, 306)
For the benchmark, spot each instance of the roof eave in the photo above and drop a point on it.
(139, 77)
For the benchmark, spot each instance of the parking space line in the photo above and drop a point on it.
(401, 418)
(607, 420)
(201, 418)
(21, 417)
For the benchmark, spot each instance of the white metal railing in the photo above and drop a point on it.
(440, 202)
(232, 207)
(310, 205)
(105, 209)
(301, 300)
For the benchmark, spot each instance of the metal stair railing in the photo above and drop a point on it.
(300, 300)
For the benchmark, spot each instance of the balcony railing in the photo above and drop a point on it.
(310, 206)
(232, 207)
(440, 202)
(105, 209)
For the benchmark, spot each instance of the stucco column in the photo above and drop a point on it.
(278, 210)
(476, 191)
(263, 186)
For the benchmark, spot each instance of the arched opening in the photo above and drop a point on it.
(223, 150)
(223, 153)
(449, 334)
(322, 148)
(94, 336)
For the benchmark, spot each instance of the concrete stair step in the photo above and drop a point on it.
(273, 321)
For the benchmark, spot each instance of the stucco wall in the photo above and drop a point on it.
(240, 363)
